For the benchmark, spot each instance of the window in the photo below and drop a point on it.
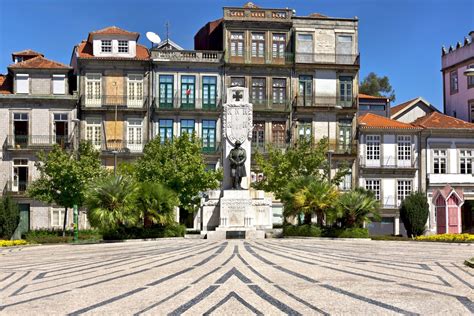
(278, 45)
(59, 84)
(57, 217)
(344, 48)
(187, 91)
(209, 92)
(93, 89)
(373, 147)
(135, 135)
(453, 79)
(123, 46)
(304, 130)
(404, 189)
(346, 183)
(20, 130)
(237, 82)
(258, 45)
(135, 90)
(374, 186)
(304, 44)
(22, 83)
(470, 79)
(258, 90)
(279, 91)
(208, 135)
(465, 161)
(106, 46)
(471, 109)
(258, 135)
(345, 136)
(165, 130)
(404, 148)
(61, 128)
(166, 91)
(94, 132)
(187, 126)
(439, 161)
(237, 44)
(371, 107)
(279, 134)
(345, 90)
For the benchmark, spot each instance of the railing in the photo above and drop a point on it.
(187, 55)
(322, 58)
(211, 148)
(121, 146)
(344, 149)
(389, 202)
(270, 104)
(35, 141)
(257, 14)
(113, 100)
(15, 187)
(389, 162)
(265, 148)
(268, 57)
(325, 101)
(188, 104)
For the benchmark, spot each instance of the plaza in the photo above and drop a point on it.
(271, 276)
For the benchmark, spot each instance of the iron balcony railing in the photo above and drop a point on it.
(389, 202)
(211, 104)
(36, 141)
(343, 148)
(389, 162)
(265, 148)
(101, 100)
(321, 58)
(120, 146)
(252, 57)
(270, 104)
(187, 56)
(325, 101)
(16, 187)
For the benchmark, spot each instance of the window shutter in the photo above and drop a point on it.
(22, 83)
(59, 84)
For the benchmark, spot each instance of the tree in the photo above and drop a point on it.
(179, 165)
(377, 86)
(9, 217)
(304, 159)
(309, 196)
(357, 206)
(157, 203)
(111, 203)
(414, 213)
(64, 176)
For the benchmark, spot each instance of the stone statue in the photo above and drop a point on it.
(237, 158)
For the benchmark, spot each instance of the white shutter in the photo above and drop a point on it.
(59, 84)
(22, 83)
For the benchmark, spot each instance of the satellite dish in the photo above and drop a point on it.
(153, 37)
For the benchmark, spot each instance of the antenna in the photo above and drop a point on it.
(153, 38)
(167, 31)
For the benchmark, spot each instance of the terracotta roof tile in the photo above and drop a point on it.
(84, 50)
(441, 121)
(28, 52)
(113, 30)
(39, 62)
(6, 86)
(370, 120)
(366, 96)
(397, 108)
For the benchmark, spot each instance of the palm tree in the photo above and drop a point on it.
(111, 203)
(157, 203)
(357, 206)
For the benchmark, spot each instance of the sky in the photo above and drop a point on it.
(400, 39)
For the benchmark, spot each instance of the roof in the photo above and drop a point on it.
(27, 52)
(6, 86)
(397, 108)
(39, 62)
(84, 50)
(366, 96)
(168, 42)
(441, 121)
(374, 121)
(113, 30)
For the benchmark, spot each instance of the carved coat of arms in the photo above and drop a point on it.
(237, 122)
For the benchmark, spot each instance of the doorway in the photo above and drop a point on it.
(186, 218)
(24, 223)
(467, 213)
(20, 130)
(61, 129)
(20, 175)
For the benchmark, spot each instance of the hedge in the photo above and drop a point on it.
(54, 236)
(122, 233)
(448, 238)
(316, 231)
(11, 243)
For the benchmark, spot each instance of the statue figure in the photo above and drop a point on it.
(237, 157)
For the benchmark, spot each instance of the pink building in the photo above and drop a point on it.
(458, 88)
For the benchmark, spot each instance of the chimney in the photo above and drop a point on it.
(471, 34)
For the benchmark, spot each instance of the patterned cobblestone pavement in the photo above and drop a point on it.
(275, 276)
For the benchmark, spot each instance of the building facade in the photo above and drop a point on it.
(458, 87)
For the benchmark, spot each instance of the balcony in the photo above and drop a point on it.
(122, 101)
(193, 56)
(331, 59)
(120, 146)
(343, 149)
(388, 162)
(270, 105)
(16, 187)
(24, 142)
(246, 57)
(451, 178)
(389, 202)
(265, 148)
(324, 102)
(177, 103)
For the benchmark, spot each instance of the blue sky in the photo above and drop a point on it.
(398, 38)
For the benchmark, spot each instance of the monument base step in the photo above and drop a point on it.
(235, 234)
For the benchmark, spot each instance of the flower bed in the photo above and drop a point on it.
(11, 243)
(448, 238)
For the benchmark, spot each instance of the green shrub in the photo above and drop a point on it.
(301, 230)
(9, 217)
(157, 231)
(50, 236)
(414, 213)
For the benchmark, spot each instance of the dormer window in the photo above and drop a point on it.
(123, 46)
(106, 46)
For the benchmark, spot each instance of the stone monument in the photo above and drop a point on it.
(236, 209)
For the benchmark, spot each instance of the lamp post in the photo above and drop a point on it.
(75, 208)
